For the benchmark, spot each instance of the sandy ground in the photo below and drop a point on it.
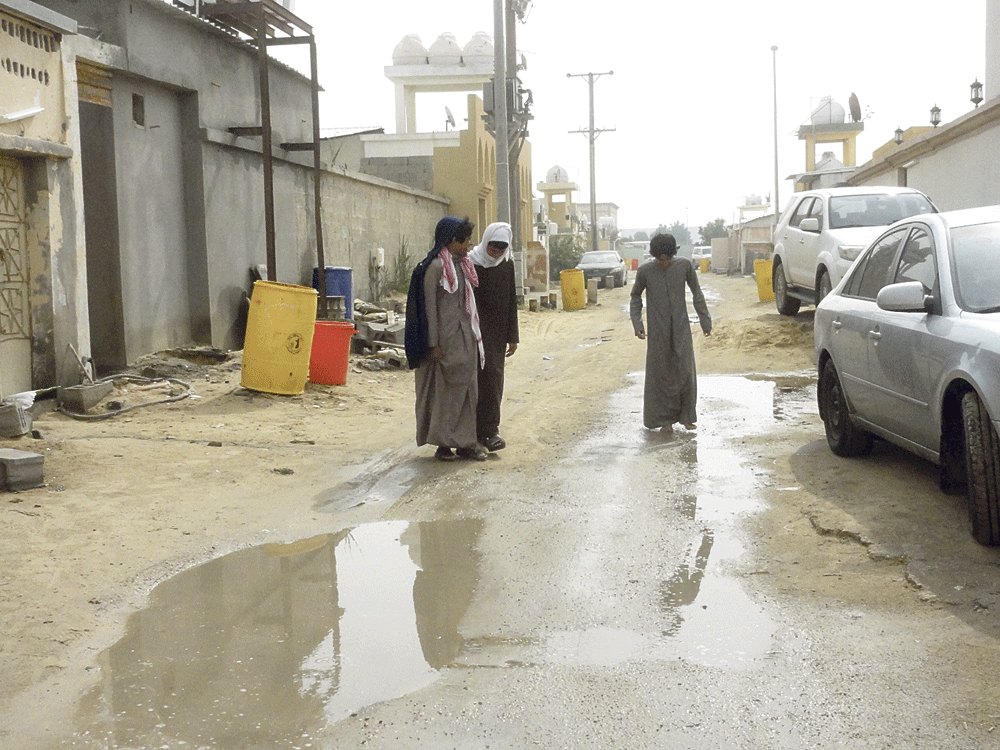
(131, 500)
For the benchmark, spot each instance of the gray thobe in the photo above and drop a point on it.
(670, 391)
(447, 391)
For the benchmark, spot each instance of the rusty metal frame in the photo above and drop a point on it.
(266, 23)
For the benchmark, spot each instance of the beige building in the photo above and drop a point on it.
(562, 214)
(458, 164)
(41, 245)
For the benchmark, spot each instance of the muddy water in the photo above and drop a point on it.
(711, 619)
(263, 647)
(267, 646)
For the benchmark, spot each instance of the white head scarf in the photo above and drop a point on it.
(497, 232)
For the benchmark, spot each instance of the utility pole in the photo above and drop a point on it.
(500, 112)
(592, 134)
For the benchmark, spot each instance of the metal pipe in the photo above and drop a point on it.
(774, 57)
(323, 308)
(265, 122)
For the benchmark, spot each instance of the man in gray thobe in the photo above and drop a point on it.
(671, 390)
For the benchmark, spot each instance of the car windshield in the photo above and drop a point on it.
(974, 252)
(875, 210)
(599, 257)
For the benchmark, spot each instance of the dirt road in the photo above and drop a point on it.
(133, 500)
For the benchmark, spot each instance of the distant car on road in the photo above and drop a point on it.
(821, 232)
(599, 264)
(908, 349)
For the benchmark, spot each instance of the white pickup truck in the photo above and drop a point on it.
(821, 232)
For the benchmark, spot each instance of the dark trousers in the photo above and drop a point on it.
(490, 394)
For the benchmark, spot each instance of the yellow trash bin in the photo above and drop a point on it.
(280, 327)
(762, 270)
(573, 293)
(705, 264)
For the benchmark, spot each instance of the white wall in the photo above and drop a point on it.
(964, 175)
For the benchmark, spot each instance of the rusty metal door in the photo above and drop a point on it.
(15, 341)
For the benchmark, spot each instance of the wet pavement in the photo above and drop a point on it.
(610, 600)
(268, 646)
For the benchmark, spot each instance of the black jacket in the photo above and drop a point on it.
(415, 334)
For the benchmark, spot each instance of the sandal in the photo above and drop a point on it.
(495, 443)
(688, 425)
(478, 453)
(444, 454)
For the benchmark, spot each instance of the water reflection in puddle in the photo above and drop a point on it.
(264, 647)
(708, 616)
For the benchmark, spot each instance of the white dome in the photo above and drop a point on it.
(479, 48)
(557, 174)
(829, 112)
(410, 51)
(445, 51)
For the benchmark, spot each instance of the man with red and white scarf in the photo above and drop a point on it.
(446, 376)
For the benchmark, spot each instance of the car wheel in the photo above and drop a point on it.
(982, 469)
(843, 437)
(786, 305)
(823, 287)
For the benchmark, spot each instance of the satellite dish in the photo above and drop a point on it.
(855, 107)
(449, 118)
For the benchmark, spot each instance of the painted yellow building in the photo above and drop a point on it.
(466, 173)
(458, 164)
(557, 192)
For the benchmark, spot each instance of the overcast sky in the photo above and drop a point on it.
(691, 98)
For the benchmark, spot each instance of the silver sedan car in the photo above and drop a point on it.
(908, 350)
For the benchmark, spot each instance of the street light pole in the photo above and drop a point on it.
(592, 134)
(774, 58)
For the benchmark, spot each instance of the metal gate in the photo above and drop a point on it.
(15, 340)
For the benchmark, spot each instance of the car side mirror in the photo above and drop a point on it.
(907, 296)
(810, 224)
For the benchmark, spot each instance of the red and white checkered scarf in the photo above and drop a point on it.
(449, 281)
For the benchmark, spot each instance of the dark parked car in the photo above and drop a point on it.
(908, 349)
(599, 264)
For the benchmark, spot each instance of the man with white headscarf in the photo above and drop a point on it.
(496, 300)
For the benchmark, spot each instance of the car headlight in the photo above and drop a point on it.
(850, 252)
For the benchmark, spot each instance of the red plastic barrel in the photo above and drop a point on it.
(331, 346)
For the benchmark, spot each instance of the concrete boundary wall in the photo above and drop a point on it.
(360, 214)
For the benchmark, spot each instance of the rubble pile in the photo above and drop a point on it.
(379, 338)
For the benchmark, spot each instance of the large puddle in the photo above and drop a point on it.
(264, 647)
(267, 646)
(710, 618)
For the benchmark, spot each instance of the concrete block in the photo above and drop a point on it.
(80, 398)
(393, 333)
(15, 420)
(20, 470)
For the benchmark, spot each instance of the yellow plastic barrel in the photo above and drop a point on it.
(280, 327)
(762, 270)
(705, 264)
(573, 293)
